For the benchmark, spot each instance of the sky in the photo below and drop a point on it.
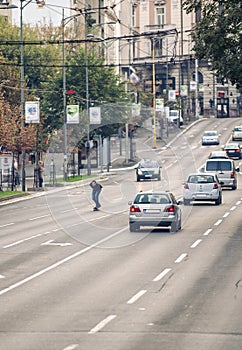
(32, 14)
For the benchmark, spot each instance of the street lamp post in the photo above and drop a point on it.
(64, 96)
(87, 98)
(22, 6)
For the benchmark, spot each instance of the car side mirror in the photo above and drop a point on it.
(237, 170)
(202, 169)
(130, 203)
(221, 183)
(179, 202)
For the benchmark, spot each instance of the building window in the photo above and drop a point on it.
(133, 18)
(160, 16)
(158, 47)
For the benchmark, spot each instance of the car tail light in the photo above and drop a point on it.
(232, 174)
(186, 186)
(134, 209)
(215, 185)
(170, 209)
(238, 151)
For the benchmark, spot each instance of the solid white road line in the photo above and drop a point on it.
(136, 296)
(60, 262)
(161, 275)
(102, 324)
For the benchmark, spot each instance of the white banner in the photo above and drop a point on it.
(95, 115)
(172, 95)
(32, 112)
(72, 114)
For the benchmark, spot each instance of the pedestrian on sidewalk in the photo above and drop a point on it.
(96, 190)
(40, 173)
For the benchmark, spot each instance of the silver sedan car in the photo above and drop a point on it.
(155, 209)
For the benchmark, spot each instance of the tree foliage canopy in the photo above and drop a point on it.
(218, 36)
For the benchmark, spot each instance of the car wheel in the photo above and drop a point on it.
(219, 200)
(138, 179)
(186, 202)
(175, 226)
(159, 178)
(234, 187)
(134, 227)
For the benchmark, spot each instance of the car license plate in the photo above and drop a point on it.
(148, 175)
(152, 211)
(231, 151)
(201, 195)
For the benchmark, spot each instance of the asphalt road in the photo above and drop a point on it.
(71, 278)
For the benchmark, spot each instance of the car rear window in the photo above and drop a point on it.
(152, 198)
(201, 179)
(221, 165)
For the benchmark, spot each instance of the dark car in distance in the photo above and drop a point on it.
(233, 150)
(148, 169)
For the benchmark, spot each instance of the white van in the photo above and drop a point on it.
(225, 170)
(174, 115)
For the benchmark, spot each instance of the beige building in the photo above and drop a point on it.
(153, 39)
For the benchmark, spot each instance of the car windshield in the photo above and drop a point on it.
(231, 146)
(210, 133)
(219, 166)
(147, 198)
(201, 179)
(149, 165)
(238, 128)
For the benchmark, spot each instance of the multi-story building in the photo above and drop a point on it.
(6, 10)
(153, 38)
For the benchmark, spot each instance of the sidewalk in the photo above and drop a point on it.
(118, 161)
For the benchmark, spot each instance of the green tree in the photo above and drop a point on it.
(218, 36)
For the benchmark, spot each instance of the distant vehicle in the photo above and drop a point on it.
(237, 133)
(218, 154)
(148, 169)
(155, 209)
(225, 170)
(174, 116)
(233, 150)
(202, 187)
(210, 138)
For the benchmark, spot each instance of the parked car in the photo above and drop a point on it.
(224, 169)
(237, 133)
(210, 138)
(233, 150)
(155, 209)
(202, 187)
(218, 154)
(148, 169)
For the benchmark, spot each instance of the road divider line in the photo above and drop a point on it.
(60, 262)
(180, 258)
(136, 296)
(226, 214)
(233, 208)
(1, 276)
(161, 275)
(206, 233)
(71, 347)
(102, 324)
(11, 223)
(218, 222)
(39, 217)
(238, 203)
(195, 244)
(25, 240)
